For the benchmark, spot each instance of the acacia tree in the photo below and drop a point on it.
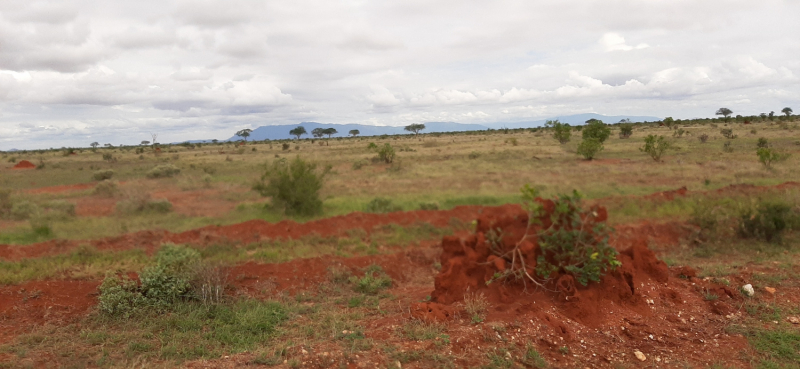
(329, 131)
(596, 129)
(94, 145)
(725, 112)
(354, 132)
(787, 110)
(318, 132)
(416, 127)
(299, 131)
(668, 121)
(145, 143)
(244, 133)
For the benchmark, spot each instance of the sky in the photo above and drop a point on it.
(77, 71)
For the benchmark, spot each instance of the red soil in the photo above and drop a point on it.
(24, 165)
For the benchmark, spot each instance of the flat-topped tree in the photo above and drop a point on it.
(145, 143)
(330, 131)
(244, 133)
(94, 144)
(299, 131)
(725, 112)
(787, 110)
(318, 132)
(354, 132)
(416, 127)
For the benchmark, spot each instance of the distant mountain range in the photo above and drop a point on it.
(281, 132)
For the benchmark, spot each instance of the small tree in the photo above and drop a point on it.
(763, 116)
(293, 185)
(145, 143)
(596, 129)
(561, 131)
(725, 112)
(655, 146)
(589, 147)
(94, 145)
(299, 131)
(318, 132)
(329, 131)
(625, 130)
(386, 153)
(768, 156)
(787, 110)
(669, 122)
(771, 116)
(415, 128)
(354, 132)
(244, 133)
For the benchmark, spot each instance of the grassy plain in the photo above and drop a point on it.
(337, 318)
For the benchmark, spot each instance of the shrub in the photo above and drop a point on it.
(209, 170)
(358, 164)
(372, 146)
(561, 131)
(59, 209)
(762, 143)
(590, 147)
(655, 146)
(386, 153)
(170, 278)
(567, 245)
(429, 206)
(158, 206)
(119, 296)
(768, 156)
(381, 205)
(6, 203)
(766, 220)
(625, 130)
(474, 155)
(596, 129)
(285, 146)
(138, 202)
(108, 157)
(727, 147)
(703, 138)
(728, 133)
(24, 209)
(679, 132)
(294, 186)
(373, 281)
(163, 171)
(101, 175)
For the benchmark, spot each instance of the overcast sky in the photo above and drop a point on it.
(77, 71)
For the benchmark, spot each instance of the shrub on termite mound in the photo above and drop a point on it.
(293, 185)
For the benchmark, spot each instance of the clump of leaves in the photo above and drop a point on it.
(561, 131)
(575, 242)
(768, 156)
(655, 146)
(590, 147)
(386, 153)
(381, 205)
(293, 185)
(766, 220)
(374, 280)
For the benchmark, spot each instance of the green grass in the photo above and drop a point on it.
(778, 348)
(80, 263)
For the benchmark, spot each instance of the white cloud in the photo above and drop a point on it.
(72, 68)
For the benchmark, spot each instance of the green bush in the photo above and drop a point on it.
(386, 153)
(358, 164)
(590, 147)
(24, 209)
(655, 146)
(372, 146)
(106, 188)
(101, 175)
(474, 155)
(625, 130)
(163, 171)
(138, 203)
(728, 133)
(768, 156)
(596, 129)
(119, 296)
(170, 278)
(762, 143)
(561, 131)
(158, 206)
(294, 186)
(766, 221)
(381, 205)
(573, 243)
(59, 209)
(373, 281)
(429, 206)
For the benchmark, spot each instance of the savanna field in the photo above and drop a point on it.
(442, 250)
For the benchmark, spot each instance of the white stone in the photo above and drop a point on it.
(748, 290)
(639, 355)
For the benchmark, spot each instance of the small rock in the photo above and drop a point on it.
(793, 320)
(639, 355)
(748, 290)
(398, 365)
(770, 290)
(304, 351)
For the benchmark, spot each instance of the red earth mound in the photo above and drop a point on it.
(24, 165)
